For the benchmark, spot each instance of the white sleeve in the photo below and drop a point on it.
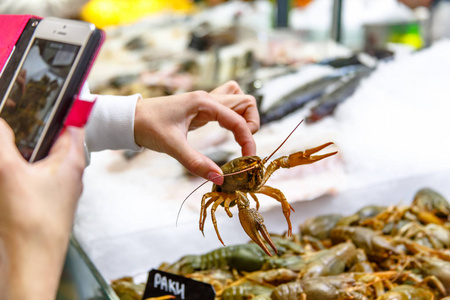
(111, 123)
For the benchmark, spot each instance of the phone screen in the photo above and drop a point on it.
(31, 100)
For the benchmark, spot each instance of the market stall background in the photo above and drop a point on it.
(392, 130)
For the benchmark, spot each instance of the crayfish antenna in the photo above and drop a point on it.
(182, 203)
(268, 157)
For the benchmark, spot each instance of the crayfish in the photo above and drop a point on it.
(248, 175)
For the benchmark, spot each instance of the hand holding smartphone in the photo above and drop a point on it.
(49, 75)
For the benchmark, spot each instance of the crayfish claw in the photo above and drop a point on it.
(317, 149)
(253, 224)
(304, 157)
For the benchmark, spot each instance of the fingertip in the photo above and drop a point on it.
(7, 139)
(249, 149)
(9, 154)
(203, 166)
(70, 144)
(76, 134)
(5, 126)
(215, 177)
(77, 144)
(62, 142)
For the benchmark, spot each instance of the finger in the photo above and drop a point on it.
(244, 105)
(195, 162)
(234, 122)
(8, 147)
(65, 166)
(250, 113)
(68, 152)
(230, 87)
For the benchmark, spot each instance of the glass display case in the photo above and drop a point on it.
(81, 279)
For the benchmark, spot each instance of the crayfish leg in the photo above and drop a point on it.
(203, 208)
(285, 206)
(256, 200)
(226, 206)
(214, 220)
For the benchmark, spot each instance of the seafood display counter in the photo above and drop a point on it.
(394, 194)
(390, 141)
(390, 144)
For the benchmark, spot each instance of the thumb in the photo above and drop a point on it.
(68, 149)
(8, 149)
(197, 163)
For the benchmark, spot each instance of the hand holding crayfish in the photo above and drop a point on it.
(173, 116)
(248, 175)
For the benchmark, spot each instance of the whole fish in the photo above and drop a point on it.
(337, 94)
(297, 99)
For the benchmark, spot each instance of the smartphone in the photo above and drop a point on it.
(49, 75)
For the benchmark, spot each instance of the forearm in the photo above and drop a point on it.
(29, 269)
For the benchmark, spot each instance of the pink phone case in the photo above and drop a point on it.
(15, 34)
(11, 28)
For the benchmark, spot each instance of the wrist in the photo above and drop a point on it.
(137, 122)
(30, 267)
